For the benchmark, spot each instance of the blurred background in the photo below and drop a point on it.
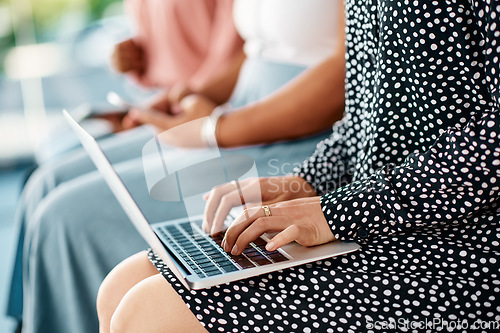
(54, 54)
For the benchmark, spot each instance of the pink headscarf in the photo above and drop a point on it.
(185, 41)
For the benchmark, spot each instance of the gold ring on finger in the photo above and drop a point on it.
(267, 210)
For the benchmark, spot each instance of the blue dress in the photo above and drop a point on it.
(72, 231)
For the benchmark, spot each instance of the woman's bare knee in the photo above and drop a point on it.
(118, 282)
(153, 306)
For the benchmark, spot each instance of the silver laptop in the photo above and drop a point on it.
(194, 257)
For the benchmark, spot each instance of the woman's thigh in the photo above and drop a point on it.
(119, 281)
(154, 306)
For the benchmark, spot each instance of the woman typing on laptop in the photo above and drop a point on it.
(283, 96)
(411, 173)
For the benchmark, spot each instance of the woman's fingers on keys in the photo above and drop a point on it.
(249, 216)
(290, 234)
(213, 202)
(257, 228)
(239, 224)
(223, 198)
(226, 203)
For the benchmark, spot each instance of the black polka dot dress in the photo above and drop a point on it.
(412, 173)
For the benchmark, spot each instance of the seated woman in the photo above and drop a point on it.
(168, 50)
(171, 48)
(282, 92)
(412, 173)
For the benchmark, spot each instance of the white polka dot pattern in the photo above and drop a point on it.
(420, 142)
(450, 273)
(412, 171)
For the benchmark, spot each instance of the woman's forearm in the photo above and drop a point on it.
(307, 105)
(220, 88)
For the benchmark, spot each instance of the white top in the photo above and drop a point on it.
(293, 31)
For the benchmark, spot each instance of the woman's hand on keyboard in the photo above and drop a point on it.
(251, 192)
(299, 220)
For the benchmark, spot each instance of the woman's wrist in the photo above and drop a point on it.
(217, 130)
(210, 127)
(238, 128)
(223, 131)
(220, 132)
(289, 187)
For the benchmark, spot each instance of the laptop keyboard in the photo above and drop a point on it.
(204, 255)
